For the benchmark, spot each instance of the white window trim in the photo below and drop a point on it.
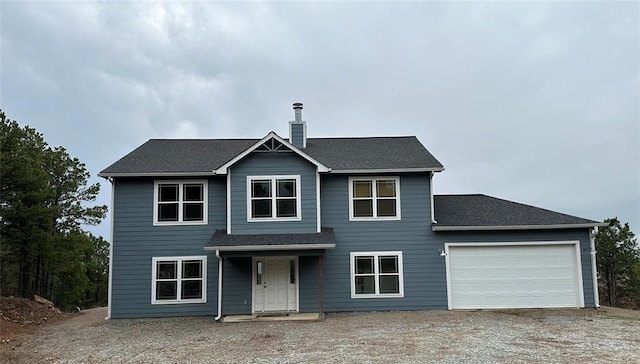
(205, 196)
(273, 199)
(179, 260)
(376, 274)
(374, 192)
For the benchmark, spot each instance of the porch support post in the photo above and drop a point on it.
(320, 286)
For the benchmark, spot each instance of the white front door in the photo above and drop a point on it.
(275, 284)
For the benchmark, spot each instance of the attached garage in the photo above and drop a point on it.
(514, 275)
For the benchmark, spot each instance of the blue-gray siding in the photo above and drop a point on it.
(136, 241)
(424, 273)
(297, 134)
(237, 285)
(273, 164)
(424, 268)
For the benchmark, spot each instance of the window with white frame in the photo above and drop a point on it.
(376, 274)
(374, 198)
(179, 280)
(180, 202)
(273, 198)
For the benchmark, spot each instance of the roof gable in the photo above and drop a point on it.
(268, 140)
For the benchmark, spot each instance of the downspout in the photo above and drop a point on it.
(433, 217)
(594, 268)
(217, 318)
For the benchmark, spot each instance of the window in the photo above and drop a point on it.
(273, 198)
(376, 274)
(182, 202)
(179, 280)
(374, 198)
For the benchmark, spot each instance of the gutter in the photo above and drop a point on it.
(157, 174)
(240, 248)
(217, 318)
(594, 267)
(517, 227)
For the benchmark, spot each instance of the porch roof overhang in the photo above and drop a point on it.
(221, 241)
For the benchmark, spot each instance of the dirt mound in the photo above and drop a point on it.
(19, 315)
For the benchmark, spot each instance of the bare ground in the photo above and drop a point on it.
(515, 336)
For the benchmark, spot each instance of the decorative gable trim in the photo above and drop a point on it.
(225, 167)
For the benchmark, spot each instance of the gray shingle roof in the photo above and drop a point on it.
(371, 153)
(223, 241)
(466, 212)
(179, 156)
(158, 156)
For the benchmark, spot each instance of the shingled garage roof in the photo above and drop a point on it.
(481, 212)
(224, 242)
(202, 156)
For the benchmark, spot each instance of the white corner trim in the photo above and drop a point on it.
(318, 212)
(580, 290)
(224, 168)
(111, 241)
(229, 202)
(594, 266)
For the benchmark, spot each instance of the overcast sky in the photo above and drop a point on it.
(532, 102)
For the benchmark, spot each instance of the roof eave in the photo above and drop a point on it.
(156, 174)
(387, 170)
(271, 247)
(516, 227)
(223, 169)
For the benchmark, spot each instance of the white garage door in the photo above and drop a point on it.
(513, 276)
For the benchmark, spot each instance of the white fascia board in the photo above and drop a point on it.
(224, 167)
(157, 174)
(239, 248)
(515, 227)
(388, 170)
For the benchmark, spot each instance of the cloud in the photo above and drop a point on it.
(535, 102)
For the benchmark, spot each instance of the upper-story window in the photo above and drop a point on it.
(273, 198)
(374, 198)
(180, 202)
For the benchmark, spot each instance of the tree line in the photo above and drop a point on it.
(44, 249)
(618, 258)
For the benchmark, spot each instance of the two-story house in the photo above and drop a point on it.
(247, 226)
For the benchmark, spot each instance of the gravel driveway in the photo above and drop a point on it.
(519, 336)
